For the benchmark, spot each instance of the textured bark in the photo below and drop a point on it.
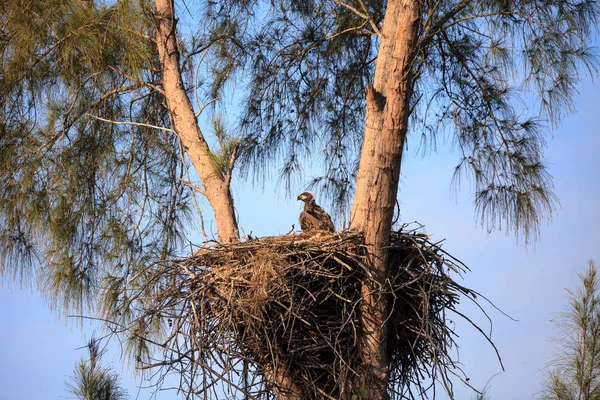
(378, 175)
(282, 385)
(216, 187)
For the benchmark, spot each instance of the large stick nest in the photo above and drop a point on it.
(246, 312)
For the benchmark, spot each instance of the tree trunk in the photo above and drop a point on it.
(377, 179)
(282, 384)
(216, 187)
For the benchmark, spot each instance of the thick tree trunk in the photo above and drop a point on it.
(216, 188)
(378, 176)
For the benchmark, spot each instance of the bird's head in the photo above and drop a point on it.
(306, 197)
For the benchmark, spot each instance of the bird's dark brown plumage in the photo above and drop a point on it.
(314, 218)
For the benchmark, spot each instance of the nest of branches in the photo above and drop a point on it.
(248, 313)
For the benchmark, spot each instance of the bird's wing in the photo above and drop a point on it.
(329, 223)
(309, 222)
(324, 220)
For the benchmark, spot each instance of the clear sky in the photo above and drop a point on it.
(38, 350)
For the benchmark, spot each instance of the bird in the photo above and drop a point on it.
(314, 218)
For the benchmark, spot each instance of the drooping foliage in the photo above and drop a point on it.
(476, 72)
(81, 194)
(495, 76)
(308, 64)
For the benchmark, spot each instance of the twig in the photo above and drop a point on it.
(364, 16)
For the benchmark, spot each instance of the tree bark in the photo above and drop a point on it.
(282, 385)
(216, 187)
(378, 176)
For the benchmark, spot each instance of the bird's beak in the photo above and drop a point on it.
(300, 197)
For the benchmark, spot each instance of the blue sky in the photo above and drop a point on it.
(39, 349)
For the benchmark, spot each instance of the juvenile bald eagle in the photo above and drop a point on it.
(313, 218)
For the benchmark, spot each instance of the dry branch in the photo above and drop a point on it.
(242, 312)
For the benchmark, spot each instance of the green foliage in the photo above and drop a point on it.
(81, 196)
(575, 372)
(92, 381)
(224, 156)
(493, 75)
(476, 71)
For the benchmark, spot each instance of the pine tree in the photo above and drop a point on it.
(575, 371)
(92, 381)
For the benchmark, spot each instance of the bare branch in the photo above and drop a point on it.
(363, 15)
(162, 128)
(194, 187)
(432, 30)
(231, 164)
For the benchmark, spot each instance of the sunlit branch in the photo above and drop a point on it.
(162, 128)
